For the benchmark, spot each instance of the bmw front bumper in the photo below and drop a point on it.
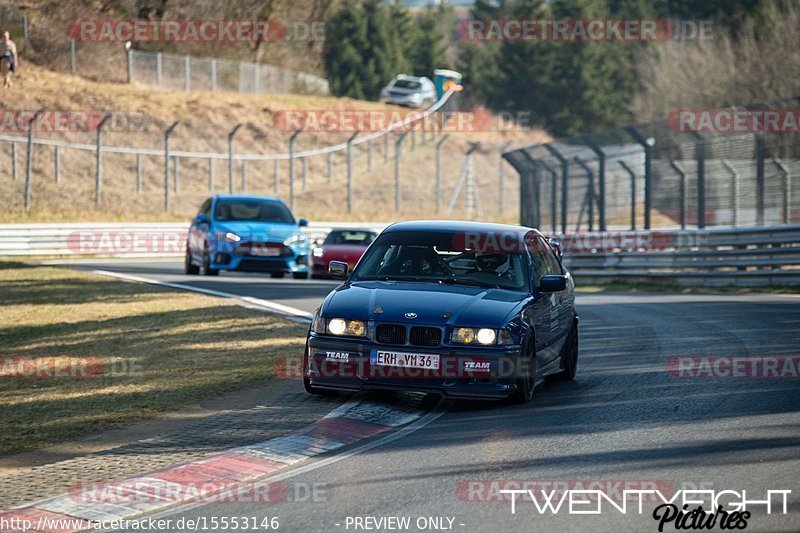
(349, 365)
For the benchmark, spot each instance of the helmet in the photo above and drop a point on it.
(497, 263)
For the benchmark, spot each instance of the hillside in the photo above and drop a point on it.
(141, 115)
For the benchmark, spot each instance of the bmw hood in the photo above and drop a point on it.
(433, 304)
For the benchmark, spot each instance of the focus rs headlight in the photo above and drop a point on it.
(483, 336)
(350, 328)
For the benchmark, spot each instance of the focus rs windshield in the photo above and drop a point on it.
(443, 257)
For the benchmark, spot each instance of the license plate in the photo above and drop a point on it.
(406, 360)
(264, 251)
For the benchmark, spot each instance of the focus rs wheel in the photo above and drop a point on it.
(207, 270)
(527, 381)
(188, 267)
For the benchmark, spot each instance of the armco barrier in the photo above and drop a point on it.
(743, 257)
(754, 256)
(117, 239)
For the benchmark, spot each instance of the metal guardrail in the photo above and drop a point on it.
(741, 257)
(118, 239)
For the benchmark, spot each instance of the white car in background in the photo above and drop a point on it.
(410, 91)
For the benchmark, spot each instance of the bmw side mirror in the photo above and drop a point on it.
(553, 283)
(302, 222)
(201, 219)
(338, 270)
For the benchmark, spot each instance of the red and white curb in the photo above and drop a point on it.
(351, 422)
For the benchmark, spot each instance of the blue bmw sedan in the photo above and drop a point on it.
(460, 309)
(252, 233)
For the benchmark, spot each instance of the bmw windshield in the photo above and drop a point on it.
(438, 257)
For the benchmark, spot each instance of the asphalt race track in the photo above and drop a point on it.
(626, 418)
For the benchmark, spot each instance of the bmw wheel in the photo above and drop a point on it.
(527, 381)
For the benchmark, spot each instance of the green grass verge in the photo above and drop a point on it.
(157, 350)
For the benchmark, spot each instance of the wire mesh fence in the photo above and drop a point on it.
(658, 176)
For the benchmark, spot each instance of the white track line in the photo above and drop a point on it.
(285, 310)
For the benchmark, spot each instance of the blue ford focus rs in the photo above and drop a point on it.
(252, 233)
(460, 309)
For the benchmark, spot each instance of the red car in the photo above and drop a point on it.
(346, 245)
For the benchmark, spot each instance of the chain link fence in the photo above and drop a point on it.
(654, 176)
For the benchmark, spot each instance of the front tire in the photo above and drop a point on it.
(276, 275)
(527, 382)
(569, 359)
(207, 270)
(317, 391)
(188, 267)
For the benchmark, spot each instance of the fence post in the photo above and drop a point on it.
(176, 179)
(589, 198)
(26, 43)
(138, 173)
(439, 144)
(413, 137)
(734, 191)
(129, 60)
(761, 182)
(98, 180)
(212, 174)
(385, 148)
(256, 79)
(398, 153)
(213, 75)
(632, 175)
(276, 174)
(601, 180)
(501, 177)
(29, 159)
(647, 144)
(57, 163)
(700, 155)
(73, 60)
(682, 173)
(787, 188)
(330, 167)
(350, 171)
(230, 156)
(14, 161)
(291, 167)
(553, 194)
(529, 178)
(304, 166)
(158, 69)
(167, 134)
(187, 75)
(564, 184)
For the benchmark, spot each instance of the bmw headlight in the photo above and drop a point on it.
(296, 241)
(343, 327)
(483, 336)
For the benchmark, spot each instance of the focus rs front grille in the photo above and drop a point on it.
(423, 336)
(390, 334)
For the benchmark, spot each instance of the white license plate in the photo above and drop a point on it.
(407, 360)
(264, 251)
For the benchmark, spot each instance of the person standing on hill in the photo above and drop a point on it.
(8, 59)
